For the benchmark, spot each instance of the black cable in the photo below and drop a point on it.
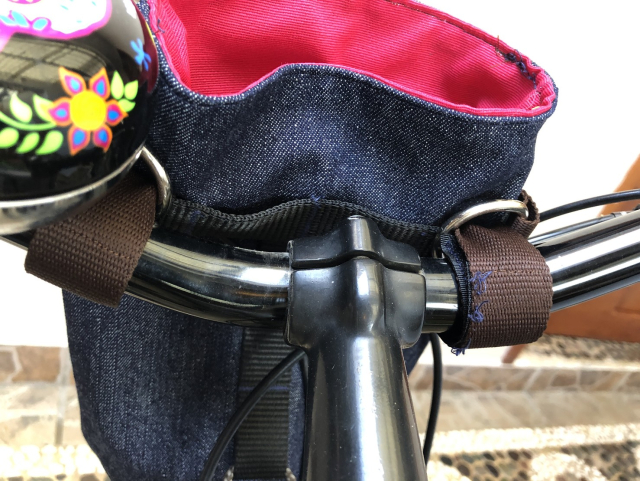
(304, 367)
(623, 196)
(243, 411)
(436, 395)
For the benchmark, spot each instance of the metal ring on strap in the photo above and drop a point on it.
(162, 181)
(458, 220)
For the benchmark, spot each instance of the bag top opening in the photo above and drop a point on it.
(224, 48)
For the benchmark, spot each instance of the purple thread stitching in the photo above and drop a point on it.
(460, 350)
(193, 220)
(479, 285)
(160, 29)
(479, 282)
(522, 66)
(476, 315)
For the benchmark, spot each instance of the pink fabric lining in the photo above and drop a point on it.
(223, 48)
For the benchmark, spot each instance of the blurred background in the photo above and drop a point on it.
(567, 407)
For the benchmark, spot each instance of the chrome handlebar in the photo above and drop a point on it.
(249, 288)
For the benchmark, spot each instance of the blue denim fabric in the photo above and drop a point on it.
(157, 387)
(320, 132)
(296, 420)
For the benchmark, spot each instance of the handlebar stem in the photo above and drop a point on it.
(353, 320)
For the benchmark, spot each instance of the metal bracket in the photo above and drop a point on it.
(356, 236)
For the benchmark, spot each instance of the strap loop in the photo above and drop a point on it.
(509, 283)
(94, 253)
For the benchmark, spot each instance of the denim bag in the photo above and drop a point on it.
(390, 106)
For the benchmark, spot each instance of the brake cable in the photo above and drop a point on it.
(613, 198)
(243, 411)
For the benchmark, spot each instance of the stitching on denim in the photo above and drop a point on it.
(522, 66)
(159, 29)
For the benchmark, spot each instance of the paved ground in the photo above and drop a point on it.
(493, 426)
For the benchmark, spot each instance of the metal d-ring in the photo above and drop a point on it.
(162, 181)
(458, 220)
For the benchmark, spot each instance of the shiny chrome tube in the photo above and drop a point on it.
(593, 260)
(213, 281)
(249, 288)
(245, 287)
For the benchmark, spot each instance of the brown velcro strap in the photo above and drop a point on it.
(510, 283)
(93, 254)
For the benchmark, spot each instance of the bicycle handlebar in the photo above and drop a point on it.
(249, 288)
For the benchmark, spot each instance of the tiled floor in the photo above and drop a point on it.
(40, 436)
(582, 452)
(48, 463)
(531, 378)
(572, 420)
(593, 462)
(567, 410)
(468, 410)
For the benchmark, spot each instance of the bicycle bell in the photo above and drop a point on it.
(77, 84)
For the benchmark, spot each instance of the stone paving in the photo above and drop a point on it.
(575, 418)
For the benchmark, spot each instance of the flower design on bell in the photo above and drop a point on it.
(17, 20)
(142, 58)
(87, 110)
(52, 19)
(34, 125)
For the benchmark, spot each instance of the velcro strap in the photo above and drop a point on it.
(93, 254)
(510, 284)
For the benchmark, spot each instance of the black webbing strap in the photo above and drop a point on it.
(262, 441)
(272, 228)
(276, 226)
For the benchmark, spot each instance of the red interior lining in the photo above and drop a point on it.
(224, 47)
